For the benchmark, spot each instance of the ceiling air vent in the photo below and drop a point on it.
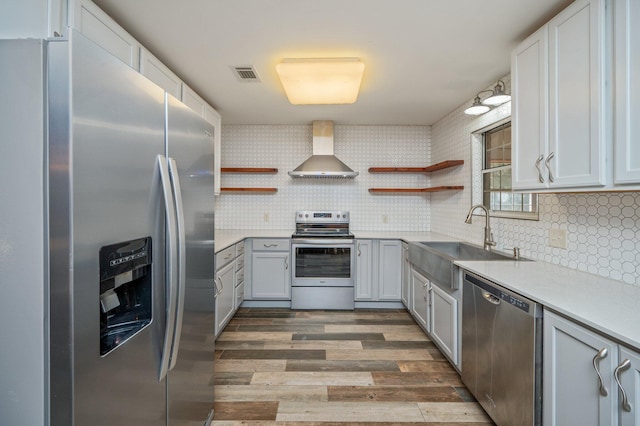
(247, 74)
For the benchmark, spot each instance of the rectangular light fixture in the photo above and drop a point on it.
(321, 81)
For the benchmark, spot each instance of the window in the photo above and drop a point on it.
(496, 177)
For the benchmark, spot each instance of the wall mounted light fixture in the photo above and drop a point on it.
(498, 97)
(321, 81)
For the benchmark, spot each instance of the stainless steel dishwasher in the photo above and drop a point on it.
(502, 351)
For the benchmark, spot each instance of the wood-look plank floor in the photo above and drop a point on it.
(277, 366)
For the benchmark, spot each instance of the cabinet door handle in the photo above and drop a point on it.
(221, 286)
(359, 252)
(286, 262)
(546, 163)
(602, 353)
(538, 161)
(624, 365)
(215, 284)
(228, 256)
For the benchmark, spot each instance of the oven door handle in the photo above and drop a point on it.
(323, 242)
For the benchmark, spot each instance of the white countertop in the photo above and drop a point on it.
(228, 237)
(609, 306)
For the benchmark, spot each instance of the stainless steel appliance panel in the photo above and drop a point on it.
(190, 144)
(501, 351)
(106, 130)
(323, 262)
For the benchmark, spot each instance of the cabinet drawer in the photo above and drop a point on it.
(240, 248)
(225, 256)
(239, 277)
(240, 262)
(270, 244)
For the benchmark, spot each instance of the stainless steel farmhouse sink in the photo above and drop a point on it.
(435, 259)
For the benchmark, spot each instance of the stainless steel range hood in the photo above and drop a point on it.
(323, 163)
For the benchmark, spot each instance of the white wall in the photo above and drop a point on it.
(360, 147)
(603, 235)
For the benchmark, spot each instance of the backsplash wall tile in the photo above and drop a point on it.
(360, 147)
(603, 235)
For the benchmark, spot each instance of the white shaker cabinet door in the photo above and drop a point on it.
(627, 92)
(529, 111)
(577, 108)
(91, 21)
(364, 270)
(420, 298)
(444, 322)
(224, 296)
(390, 270)
(159, 73)
(572, 359)
(629, 408)
(271, 275)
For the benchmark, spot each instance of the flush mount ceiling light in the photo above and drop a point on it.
(321, 81)
(498, 97)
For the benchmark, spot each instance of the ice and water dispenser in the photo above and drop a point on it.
(125, 291)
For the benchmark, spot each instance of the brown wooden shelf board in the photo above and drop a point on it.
(415, 190)
(432, 168)
(248, 170)
(257, 190)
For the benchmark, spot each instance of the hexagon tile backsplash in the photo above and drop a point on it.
(603, 229)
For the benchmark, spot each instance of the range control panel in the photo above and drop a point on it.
(324, 216)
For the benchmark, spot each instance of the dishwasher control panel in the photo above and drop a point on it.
(499, 293)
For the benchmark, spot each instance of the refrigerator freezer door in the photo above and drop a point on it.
(190, 382)
(106, 131)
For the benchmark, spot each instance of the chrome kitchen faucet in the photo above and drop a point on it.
(488, 236)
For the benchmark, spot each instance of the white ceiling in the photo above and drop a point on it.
(423, 58)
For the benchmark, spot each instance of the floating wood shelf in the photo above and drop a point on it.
(257, 190)
(415, 190)
(434, 167)
(248, 170)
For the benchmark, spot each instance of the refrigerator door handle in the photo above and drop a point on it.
(182, 261)
(172, 267)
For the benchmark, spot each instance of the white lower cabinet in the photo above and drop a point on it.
(420, 287)
(580, 368)
(378, 270)
(271, 269)
(406, 276)
(444, 321)
(225, 278)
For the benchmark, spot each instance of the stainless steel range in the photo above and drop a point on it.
(323, 261)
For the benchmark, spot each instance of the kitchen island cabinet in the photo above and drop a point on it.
(579, 376)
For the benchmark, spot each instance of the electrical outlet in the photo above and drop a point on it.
(558, 238)
(265, 217)
(385, 218)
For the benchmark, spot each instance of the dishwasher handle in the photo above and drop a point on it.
(490, 298)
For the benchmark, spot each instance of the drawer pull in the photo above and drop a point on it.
(546, 163)
(270, 245)
(538, 161)
(625, 365)
(602, 354)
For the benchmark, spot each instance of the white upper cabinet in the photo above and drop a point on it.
(159, 73)
(559, 110)
(627, 92)
(191, 99)
(529, 110)
(212, 116)
(577, 138)
(91, 21)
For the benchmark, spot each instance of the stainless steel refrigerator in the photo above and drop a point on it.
(119, 308)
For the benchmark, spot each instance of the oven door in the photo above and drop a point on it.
(323, 263)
